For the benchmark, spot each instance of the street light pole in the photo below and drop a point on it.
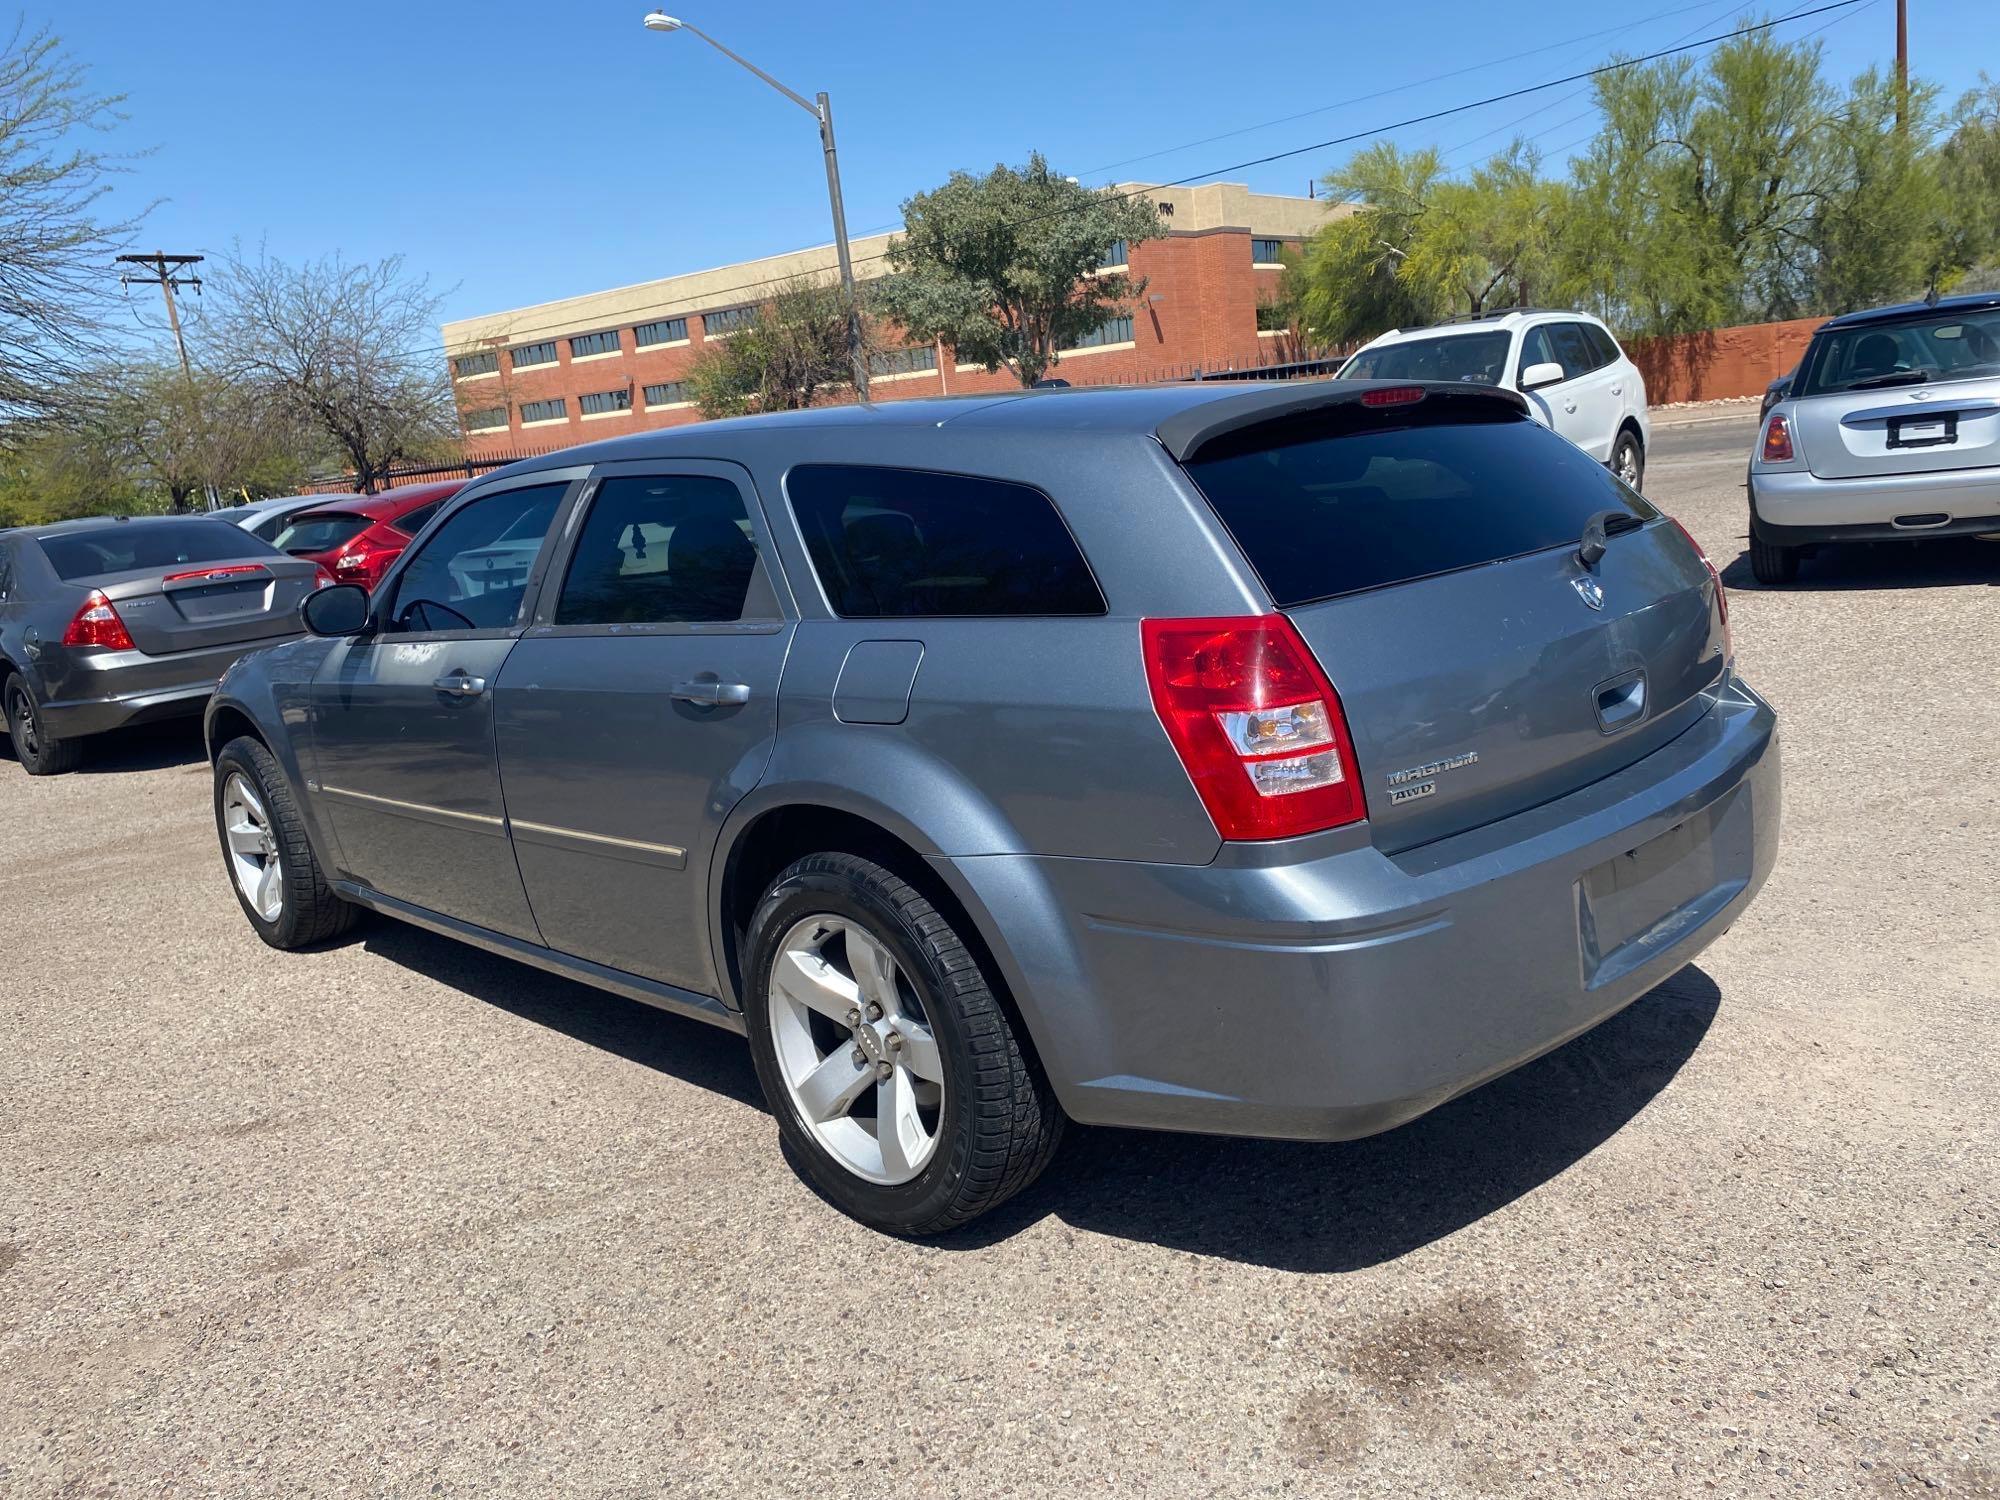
(822, 111)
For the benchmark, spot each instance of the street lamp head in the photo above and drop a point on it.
(659, 20)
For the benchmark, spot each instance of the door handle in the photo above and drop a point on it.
(712, 694)
(1569, 406)
(1618, 390)
(460, 685)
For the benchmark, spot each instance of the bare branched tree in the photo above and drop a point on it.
(351, 349)
(55, 244)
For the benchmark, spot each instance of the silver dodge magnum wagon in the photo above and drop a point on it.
(1271, 760)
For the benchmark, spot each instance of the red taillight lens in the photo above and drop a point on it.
(1257, 725)
(1393, 395)
(363, 563)
(1778, 440)
(1721, 593)
(97, 624)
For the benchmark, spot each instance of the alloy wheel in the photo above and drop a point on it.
(856, 1050)
(253, 848)
(1628, 465)
(22, 709)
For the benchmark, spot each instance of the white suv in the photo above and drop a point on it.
(1576, 378)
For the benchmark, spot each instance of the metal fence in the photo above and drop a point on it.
(469, 468)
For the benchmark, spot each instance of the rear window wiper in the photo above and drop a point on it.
(1894, 377)
(1606, 523)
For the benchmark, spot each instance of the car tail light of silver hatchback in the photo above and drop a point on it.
(1778, 441)
(1256, 723)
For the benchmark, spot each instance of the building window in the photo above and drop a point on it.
(1115, 256)
(544, 411)
(1267, 252)
(593, 343)
(1111, 331)
(725, 320)
(598, 404)
(534, 354)
(667, 393)
(487, 420)
(486, 362)
(903, 361)
(1271, 317)
(666, 331)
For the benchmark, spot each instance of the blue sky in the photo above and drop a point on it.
(522, 150)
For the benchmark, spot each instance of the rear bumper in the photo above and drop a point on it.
(1349, 991)
(91, 692)
(1792, 508)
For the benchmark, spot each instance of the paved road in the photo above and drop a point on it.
(398, 1218)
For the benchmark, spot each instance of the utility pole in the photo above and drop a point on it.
(1902, 60)
(169, 273)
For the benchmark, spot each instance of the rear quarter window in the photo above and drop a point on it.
(892, 543)
(1329, 503)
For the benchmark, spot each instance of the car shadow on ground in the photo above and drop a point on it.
(692, 1051)
(1947, 562)
(1344, 1206)
(143, 747)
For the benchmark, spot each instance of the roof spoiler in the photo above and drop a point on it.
(1187, 431)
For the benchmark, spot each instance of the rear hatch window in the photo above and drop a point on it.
(1430, 562)
(83, 555)
(1334, 503)
(321, 531)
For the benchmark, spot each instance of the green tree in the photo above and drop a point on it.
(791, 354)
(1969, 179)
(1005, 267)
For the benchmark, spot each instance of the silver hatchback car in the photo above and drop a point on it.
(1889, 430)
(1276, 761)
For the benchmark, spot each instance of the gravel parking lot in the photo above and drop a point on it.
(400, 1218)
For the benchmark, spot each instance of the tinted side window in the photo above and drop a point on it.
(413, 521)
(664, 549)
(1573, 350)
(1322, 511)
(1538, 348)
(6, 569)
(1602, 342)
(899, 542)
(472, 573)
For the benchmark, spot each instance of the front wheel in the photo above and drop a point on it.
(1628, 459)
(39, 752)
(897, 1079)
(276, 876)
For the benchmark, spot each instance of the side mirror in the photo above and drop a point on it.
(1548, 372)
(341, 609)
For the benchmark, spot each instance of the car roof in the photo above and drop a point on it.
(1180, 416)
(1502, 318)
(1968, 302)
(386, 505)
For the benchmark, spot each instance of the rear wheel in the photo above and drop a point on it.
(276, 876)
(39, 752)
(897, 1079)
(1772, 564)
(1628, 459)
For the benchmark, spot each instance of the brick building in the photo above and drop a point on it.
(609, 362)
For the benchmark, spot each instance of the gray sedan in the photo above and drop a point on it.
(119, 620)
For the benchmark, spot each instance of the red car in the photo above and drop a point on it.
(356, 537)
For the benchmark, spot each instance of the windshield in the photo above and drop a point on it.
(160, 544)
(320, 531)
(1926, 347)
(1480, 358)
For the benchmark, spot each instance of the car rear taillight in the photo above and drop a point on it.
(97, 624)
(1392, 395)
(322, 579)
(363, 562)
(1255, 722)
(1721, 593)
(1778, 440)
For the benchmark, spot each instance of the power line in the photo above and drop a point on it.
(1340, 140)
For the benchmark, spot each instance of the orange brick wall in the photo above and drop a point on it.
(1198, 311)
(1719, 362)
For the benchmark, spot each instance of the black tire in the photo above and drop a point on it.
(38, 752)
(1771, 564)
(999, 1123)
(1629, 448)
(311, 912)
